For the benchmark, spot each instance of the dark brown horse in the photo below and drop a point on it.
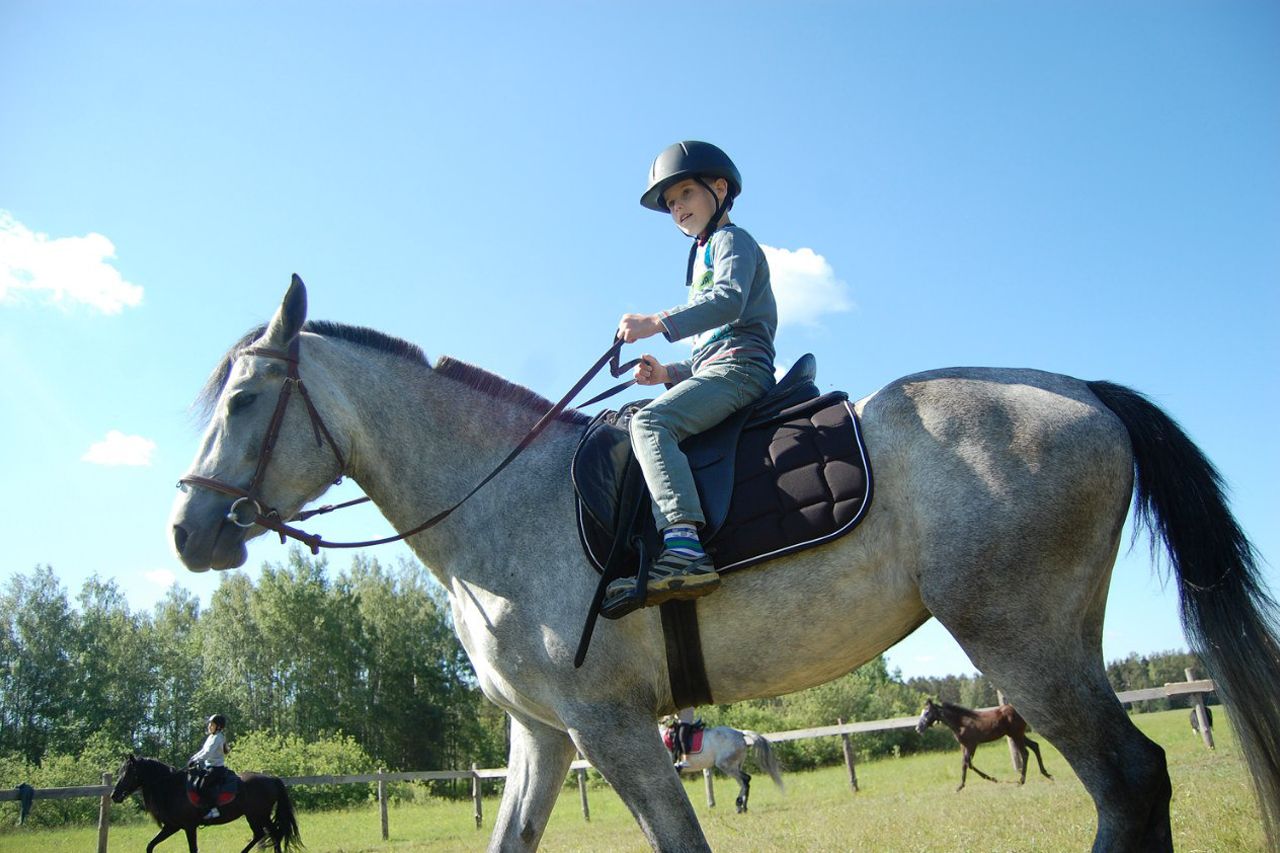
(974, 727)
(164, 796)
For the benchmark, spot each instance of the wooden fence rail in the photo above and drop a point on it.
(478, 775)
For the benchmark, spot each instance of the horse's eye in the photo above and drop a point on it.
(240, 401)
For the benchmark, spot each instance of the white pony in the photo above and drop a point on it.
(725, 748)
(1000, 497)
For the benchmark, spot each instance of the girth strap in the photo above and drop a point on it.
(686, 669)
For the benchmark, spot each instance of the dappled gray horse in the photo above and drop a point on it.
(1000, 498)
(725, 748)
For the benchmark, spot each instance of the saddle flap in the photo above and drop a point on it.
(600, 461)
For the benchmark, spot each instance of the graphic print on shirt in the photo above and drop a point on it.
(703, 284)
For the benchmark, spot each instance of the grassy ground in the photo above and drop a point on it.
(906, 804)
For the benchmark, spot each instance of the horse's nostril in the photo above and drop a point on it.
(180, 536)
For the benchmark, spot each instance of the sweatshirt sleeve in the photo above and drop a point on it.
(733, 266)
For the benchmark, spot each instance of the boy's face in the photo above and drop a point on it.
(691, 206)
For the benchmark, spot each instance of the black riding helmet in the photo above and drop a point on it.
(698, 161)
(689, 159)
(220, 720)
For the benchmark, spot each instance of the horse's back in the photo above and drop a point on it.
(992, 414)
(1005, 451)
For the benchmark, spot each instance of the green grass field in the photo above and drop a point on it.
(906, 804)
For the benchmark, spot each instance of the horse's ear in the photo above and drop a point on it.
(287, 322)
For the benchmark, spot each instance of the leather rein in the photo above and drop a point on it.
(249, 509)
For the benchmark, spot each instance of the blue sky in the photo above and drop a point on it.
(1089, 188)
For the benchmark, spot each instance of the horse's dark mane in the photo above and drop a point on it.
(501, 389)
(359, 335)
(154, 765)
(953, 711)
(152, 772)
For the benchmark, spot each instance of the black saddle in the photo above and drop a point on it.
(786, 473)
(599, 465)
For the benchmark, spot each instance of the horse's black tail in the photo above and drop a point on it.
(284, 828)
(1229, 617)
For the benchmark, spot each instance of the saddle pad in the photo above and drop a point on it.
(799, 481)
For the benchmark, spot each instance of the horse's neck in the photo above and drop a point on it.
(955, 715)
(422, 441)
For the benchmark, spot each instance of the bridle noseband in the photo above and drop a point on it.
(249, 500)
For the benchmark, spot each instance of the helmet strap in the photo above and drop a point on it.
(722, 207)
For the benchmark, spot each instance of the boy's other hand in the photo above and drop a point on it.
(634, 327)
(650, 371)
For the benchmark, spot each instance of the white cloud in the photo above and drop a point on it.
(120, 449)
(805, 286)
(161, 577)
(66, 270)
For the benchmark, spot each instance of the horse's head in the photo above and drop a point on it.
(130, 779)
(930, 715)
(259, 457)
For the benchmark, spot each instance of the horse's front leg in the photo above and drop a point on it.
(624, 746)
(191, 838)
(165, 832)
(536, 768)
(968, 759)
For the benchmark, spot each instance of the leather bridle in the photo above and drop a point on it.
(249, 500)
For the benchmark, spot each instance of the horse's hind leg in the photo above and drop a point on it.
(1020, 751)
(259, 833)
(744, 785)
(1035, 747)
(1056, 678)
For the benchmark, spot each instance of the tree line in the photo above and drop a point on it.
(360, 668)
(369, 654)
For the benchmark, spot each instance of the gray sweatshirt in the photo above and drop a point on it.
(731, 312)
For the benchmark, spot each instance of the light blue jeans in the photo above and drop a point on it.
(695, 405)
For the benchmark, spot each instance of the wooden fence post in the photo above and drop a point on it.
(848, 756)
(382, 801)
(1014, 757)
(1201, 712)
(582, 791)
(476, 793)
(104, 815)
(711, 791)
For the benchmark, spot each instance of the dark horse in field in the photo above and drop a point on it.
(164, 796)
(974, 727)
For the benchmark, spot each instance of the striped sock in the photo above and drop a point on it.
(683, 539)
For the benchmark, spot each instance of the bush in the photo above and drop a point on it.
(290, 755)
(101, 754)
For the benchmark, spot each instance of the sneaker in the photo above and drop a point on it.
(213, 814)
(672, 577)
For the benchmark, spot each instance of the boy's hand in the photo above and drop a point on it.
(650, 371)
(634, 327)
